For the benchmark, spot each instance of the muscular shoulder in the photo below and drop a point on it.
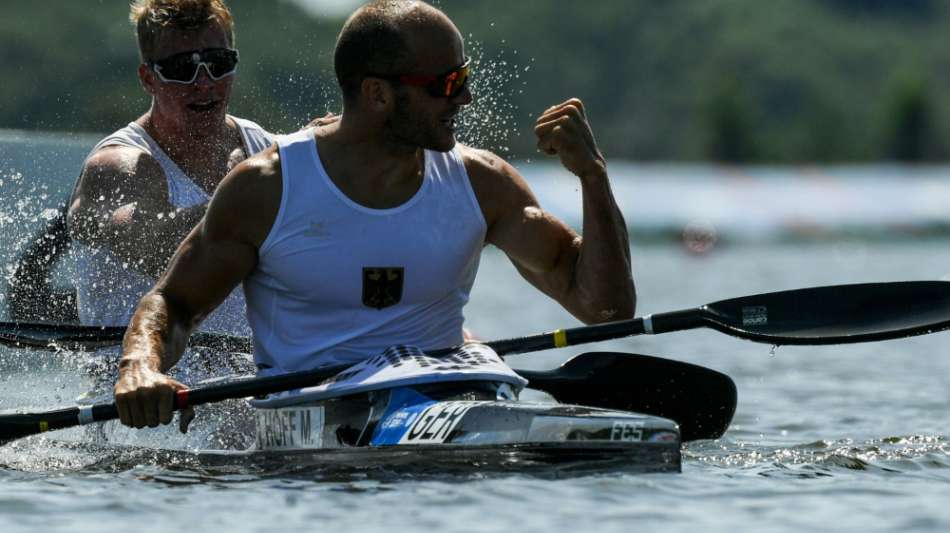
(121, 173)
(499, 187)
(116, 176)
(484, 165)
(246, 202)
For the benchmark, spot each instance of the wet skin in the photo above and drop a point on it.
(374, 155)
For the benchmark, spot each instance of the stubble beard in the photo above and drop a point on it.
(411, 131)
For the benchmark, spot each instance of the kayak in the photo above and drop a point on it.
(563, 438)
(360, 435)
(408, 408)
(407, 401)
(405, 426)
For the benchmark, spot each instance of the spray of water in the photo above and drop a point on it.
(492, 119)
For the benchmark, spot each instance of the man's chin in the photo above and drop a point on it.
(444, 145)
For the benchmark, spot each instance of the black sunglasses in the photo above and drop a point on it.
(183, 68)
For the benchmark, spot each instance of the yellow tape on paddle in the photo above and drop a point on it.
(560, 338)
(44, 426)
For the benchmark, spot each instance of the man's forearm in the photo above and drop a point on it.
(603, 277)
(157, 336)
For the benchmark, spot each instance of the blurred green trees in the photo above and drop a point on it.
(728, 124)
(728, 80)
(909, 123)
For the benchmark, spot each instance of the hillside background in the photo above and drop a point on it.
(777, 81)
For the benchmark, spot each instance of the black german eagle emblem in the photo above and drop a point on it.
(382, 286)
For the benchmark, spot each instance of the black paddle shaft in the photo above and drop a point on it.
(18, 425)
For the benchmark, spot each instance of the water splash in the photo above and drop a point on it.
(492, 119)
(293, 99)
(25, 204)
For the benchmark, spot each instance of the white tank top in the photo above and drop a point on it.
(107, 290)
(337, 282)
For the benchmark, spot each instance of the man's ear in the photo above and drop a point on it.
(377, 93)
(148, 79)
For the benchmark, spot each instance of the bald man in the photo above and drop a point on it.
(366, 233)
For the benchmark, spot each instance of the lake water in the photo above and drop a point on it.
(835, 438)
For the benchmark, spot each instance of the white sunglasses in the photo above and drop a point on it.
(183, 68)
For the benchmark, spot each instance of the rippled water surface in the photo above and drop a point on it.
(825, 438)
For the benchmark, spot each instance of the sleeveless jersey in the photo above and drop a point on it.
(337, 282)
(108, 290)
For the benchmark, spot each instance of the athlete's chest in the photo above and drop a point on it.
(416, 255)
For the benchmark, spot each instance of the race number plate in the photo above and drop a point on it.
(290, 428)
(436, 422)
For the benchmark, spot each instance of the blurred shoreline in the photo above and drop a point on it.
(701, 205)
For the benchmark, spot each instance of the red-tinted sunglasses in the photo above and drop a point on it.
(448, 85)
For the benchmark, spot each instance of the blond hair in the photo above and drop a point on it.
(152, 17)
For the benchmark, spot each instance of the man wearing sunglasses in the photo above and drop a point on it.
(145, 186)
(366, 233)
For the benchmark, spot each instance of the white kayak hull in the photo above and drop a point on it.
(500, 432)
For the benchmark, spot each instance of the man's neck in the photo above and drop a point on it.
(184, 143)
(367, 168)
(205, 158)
(370, 155)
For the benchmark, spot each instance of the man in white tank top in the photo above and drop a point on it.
(144, 187)
(339, 239)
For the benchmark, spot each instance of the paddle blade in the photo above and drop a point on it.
(700, 400)
(838, 314)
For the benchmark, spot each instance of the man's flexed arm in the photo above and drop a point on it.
(215, 257)
(603, 263)
(590, 276)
